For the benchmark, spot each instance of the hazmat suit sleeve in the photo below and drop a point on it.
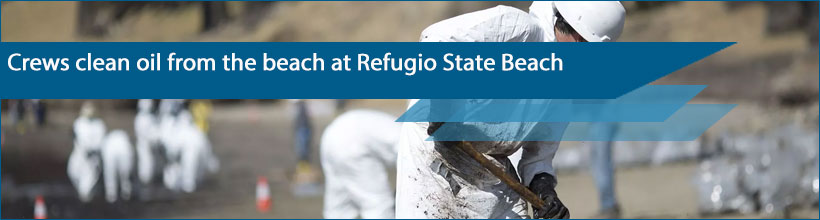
(497, 24)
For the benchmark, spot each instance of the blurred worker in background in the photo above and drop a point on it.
(146, 129)
(436, 180)
(85, 162)
(17, 115)
(356, 151)
(96, 153)
(340, 105)
(201, 111)
(603, 170)
(18, 109)
(188, 149)
(306, 180)
(118, 162)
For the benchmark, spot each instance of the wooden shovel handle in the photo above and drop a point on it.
(519, 188)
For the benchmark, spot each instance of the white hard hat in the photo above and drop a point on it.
(596, 21)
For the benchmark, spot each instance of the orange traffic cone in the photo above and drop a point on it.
(39, 208)
(263, 201)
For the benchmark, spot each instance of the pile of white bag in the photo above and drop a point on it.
(769, 173)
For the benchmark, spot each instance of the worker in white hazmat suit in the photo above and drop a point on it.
(95, 152)
(189, 153)
(169, 110)
(118, 161)
(435, 180)
(84, 163)
(146, 127)
(356, 150)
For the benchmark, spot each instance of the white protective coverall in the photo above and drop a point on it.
(118, 161)
(146, 128)
(434, 181)
(189, 152)
(84, 162)
(356, 150)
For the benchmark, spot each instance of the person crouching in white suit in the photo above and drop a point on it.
(118, 162)
(435, 180)
(356, 150)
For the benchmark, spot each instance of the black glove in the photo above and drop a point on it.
(543, 185)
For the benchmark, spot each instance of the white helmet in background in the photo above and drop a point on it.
(595, 21)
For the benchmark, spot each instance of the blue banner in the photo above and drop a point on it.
(216, 70)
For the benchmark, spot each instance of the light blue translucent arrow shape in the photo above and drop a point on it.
(651, 103)
(686, 124)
